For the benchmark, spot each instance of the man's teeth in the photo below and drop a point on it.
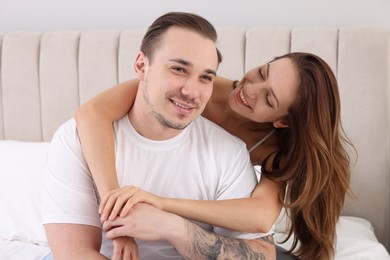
(243, 98)
(180, 105)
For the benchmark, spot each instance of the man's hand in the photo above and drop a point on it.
(120, 201)
(125, 248)
(144, 222)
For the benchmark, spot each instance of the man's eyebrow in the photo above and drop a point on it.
(272, 91)
(209, 71)
(183, 62)
(189, 64)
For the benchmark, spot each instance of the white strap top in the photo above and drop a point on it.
(262, 140)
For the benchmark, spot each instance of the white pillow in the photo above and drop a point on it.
(22, 165)
(356, 240)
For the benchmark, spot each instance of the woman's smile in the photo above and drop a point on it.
(240, 96)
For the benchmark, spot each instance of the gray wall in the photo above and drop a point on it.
(44, 15)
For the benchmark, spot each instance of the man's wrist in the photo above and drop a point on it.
(175, 231)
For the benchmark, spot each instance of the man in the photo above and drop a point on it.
(162, 146)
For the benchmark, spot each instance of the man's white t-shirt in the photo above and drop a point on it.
(203, 162)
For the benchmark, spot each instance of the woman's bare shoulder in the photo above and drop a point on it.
(224, 83)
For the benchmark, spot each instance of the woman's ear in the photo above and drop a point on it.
(139, 65)
(280, 124)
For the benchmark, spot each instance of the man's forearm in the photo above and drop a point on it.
(198, 243)
(191, 241)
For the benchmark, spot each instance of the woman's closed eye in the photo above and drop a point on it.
(267, 100)
(261, 72)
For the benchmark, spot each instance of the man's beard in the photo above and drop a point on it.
(159, 116)
(167, 123)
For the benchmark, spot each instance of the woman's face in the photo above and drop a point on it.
(266, 93)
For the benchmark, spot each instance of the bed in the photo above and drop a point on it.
(45, 76)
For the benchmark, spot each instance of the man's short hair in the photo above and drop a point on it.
(190, 21)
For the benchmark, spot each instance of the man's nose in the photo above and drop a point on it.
(191, 88)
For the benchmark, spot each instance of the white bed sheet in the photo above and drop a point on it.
(20, 250)
(355, 241)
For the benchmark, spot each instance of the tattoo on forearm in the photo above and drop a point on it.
(207, 245)
(216, 249)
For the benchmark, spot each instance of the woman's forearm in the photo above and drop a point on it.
(245, 215)
(256, 214)
(100, 154)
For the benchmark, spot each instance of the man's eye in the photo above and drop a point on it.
(207, 78)
(178, 69)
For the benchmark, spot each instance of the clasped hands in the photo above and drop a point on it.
(121, 226)
(120, 201)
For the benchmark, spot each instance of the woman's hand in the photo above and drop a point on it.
(123, 199)
(125, 248)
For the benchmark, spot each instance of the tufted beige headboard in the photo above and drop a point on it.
(46, 76)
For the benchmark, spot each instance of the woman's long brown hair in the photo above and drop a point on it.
(312, 160)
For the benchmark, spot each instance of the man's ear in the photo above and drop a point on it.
(280, 124)
(139, 65)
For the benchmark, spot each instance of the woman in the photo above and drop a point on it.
(288, 114)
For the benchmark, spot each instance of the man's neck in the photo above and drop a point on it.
(148, 126)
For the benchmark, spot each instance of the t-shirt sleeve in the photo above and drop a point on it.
(69, 194)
